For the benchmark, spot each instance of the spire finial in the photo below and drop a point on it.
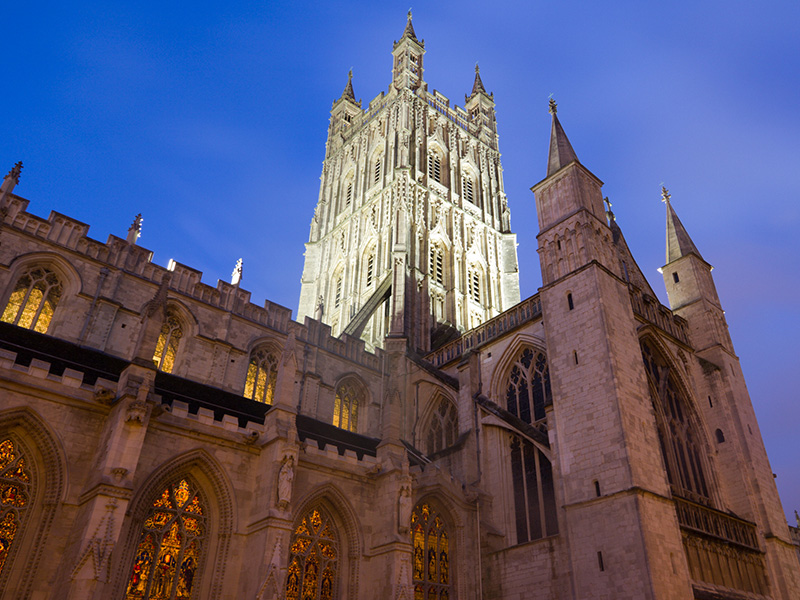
(135, 230)
(609, 212)
(236, 276)
(553, 107)
(477, 69)
(15, 171)
(665, 195)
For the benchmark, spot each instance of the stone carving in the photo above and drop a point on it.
(285, 480)
(404, 507)
(98, 548)
(136, 412)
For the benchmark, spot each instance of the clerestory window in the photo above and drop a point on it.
(167, 344)
(262, 375)
(346, 405)
(443, 427)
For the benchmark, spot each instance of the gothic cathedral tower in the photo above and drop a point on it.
(411, 235)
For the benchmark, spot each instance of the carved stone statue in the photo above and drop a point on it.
(404, 509)
(285, 480)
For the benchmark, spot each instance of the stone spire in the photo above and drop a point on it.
(409, 30)
(477, 87)
(678, 241)
(348, 89)
(561, 152)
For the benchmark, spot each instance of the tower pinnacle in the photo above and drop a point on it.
(409, 30)
(348, 89)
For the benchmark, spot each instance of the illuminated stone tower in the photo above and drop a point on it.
(411, 234)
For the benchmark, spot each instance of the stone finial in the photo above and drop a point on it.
(553, 107)
(15, 171)
(236, 276)
(135, 230)
(665, 195)
(609, 212)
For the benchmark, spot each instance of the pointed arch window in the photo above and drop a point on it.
(313, 558)
(33, 300)
(528, 388)
(534, 493)
(436, 264)
(346, 405)
(467, 187)
(170, 550)
(337, 300)
(443, 427)
(167, 345)
(370, 267)
(678, 434)
(15, 496)
(262, 374)
(431, 558)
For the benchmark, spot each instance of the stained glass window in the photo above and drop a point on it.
(262, 373)
(528, 389)
(680, 438)
(15, 495)
(443, 428)
(534, 493)
(167, 345)
(345, 406)
(34, 299)
(168, 557)
(431, 554)
(313, 558)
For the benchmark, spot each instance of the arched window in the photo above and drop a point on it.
(34, 299)
(170, 550)
(345, 406)
(262, 373)
(15, 495)
(313, 558)
(681, 442)
(377, 170)
(167, 344)
(431, 562)
(436, 264)
(443, 427)
(528, 389)
(534, 495)
(435, 166)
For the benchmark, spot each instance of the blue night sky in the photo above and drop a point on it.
(211, 120)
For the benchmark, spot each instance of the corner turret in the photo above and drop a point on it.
(408, 55)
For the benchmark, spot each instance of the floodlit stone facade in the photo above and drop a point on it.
(163, 438)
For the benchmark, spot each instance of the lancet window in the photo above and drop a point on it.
(468, 189)
(346, 405)
(681, 442)
(436, 264)
(167, 345)
(443, 427)
(34, 299)
(431, 547)
(435, 166)
(262, 374)
(170, 551)
(370, 275)
(15, 496)
(313, 558)
(534, 495)
(528, 388)
(474, 284)
(337, 297)
(377, 170)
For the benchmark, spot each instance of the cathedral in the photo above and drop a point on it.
(418, 431)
